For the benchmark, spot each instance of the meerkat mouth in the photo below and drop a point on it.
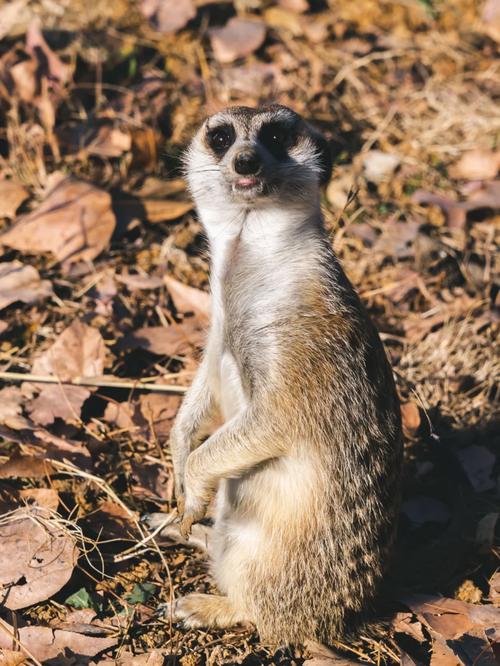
(247, 182)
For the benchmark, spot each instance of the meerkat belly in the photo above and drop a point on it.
(232, 394)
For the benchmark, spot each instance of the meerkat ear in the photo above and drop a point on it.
(324, 157)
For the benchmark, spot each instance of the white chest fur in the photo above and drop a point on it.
(232, 394)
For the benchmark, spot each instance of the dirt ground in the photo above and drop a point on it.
(103, 281)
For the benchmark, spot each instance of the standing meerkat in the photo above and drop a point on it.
(306, 467)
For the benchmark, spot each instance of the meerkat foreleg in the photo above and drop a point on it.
(194, 414)
(234, 449)
(166, 525)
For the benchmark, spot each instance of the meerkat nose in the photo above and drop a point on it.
(247, 163)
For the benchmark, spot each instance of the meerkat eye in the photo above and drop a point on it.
(221, 138)
(276, 138)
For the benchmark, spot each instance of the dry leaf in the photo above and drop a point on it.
(36, 560)
(10, 16)
(410, 415)
(485, 532)
(12, 195)
(299, 6)
(154, 658)
(11, 408)
(238, 38)
(486, 195)
(109, 142)
(423, 509)
(38, 48)
(494, 595)
(20, 466)
(74, 222)
(165, 211)
(45, 643)
(491, 19)
(168, 16)
(476, 165)
(173, 340)
(448, 618)
(477, 463)
(378, 166)
(10, 658)
(19, 282)
(135, 282)
(404, 623)
(25, 80)
(151, 482)
(188, 299)
(78, 352)
(159, 410)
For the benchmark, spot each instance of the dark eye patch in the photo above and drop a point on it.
(221, 138)
(277, 138)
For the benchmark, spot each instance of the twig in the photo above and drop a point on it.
(100, 382)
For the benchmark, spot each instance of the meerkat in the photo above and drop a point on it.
(306, 467)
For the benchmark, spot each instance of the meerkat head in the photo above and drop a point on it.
(253, 157)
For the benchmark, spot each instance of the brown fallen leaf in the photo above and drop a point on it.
(40, 443)
(75, 222)
(299, 6)
(11, 408)
(45, 643)
(10, 16)
(485, 195)
(476, 165)
(135, 282)
(24, 77)
(78, 352)
(188, 299)
(159, 411)
(173, 340)
(475, 647)
(443, 655)
(151, 482)
(109, 142)
(38, 48)
(165, 211)
(490, 18)
(405, 623)
(410, 415)
(154, 658)
(422, 509)
(123, 415)
(477, 463)
(37, 558)
(494, 594)
(238, 38)
(12, 195)
(448, 618)
(21, 466)
(168, 16)
(19, 282)
(10, 658)
(111, 521)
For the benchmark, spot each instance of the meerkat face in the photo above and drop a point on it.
(257, 156)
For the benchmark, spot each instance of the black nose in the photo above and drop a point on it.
(247, 163)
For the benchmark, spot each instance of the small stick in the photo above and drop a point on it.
(139, 384)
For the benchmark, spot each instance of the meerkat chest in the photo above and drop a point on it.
(232, 393)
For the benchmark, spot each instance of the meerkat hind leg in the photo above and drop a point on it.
(210, 611)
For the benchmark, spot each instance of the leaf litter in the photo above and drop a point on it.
(104, 279)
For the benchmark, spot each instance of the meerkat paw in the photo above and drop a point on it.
(205, 610)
